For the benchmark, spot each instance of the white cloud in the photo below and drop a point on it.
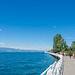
(54, 26)
(2, 43)
(0, 29)
(48, 48)
(32, 48)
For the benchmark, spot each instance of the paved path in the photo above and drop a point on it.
(69, 66)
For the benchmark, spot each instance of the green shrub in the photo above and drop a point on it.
(68, 52)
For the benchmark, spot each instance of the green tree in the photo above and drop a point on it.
(73, 46)
(59, 43)
(56, 39)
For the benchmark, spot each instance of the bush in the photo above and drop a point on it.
(69, 52)
(49, 51)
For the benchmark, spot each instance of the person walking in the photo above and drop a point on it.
(73, 55)
(63, 54)
(70, 55)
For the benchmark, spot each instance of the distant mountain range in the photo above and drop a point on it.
(2, 49)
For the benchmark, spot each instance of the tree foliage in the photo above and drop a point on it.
(58, 43)
(73, 46)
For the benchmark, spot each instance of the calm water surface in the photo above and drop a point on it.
(24, 63)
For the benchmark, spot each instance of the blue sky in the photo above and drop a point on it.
(32, 24)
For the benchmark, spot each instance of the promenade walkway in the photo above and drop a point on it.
(69, 66)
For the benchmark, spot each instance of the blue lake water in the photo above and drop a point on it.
(24, 63)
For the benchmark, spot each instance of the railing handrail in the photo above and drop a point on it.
(55, 68)
(48, 68)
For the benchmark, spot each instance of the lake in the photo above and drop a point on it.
(24, 63)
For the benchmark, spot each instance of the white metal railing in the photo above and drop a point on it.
(56, 67)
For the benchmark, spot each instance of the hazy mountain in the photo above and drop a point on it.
(2, 49)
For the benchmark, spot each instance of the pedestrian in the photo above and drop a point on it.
(70, 55)
(66, 54)
(73, 55)
(63, 54)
